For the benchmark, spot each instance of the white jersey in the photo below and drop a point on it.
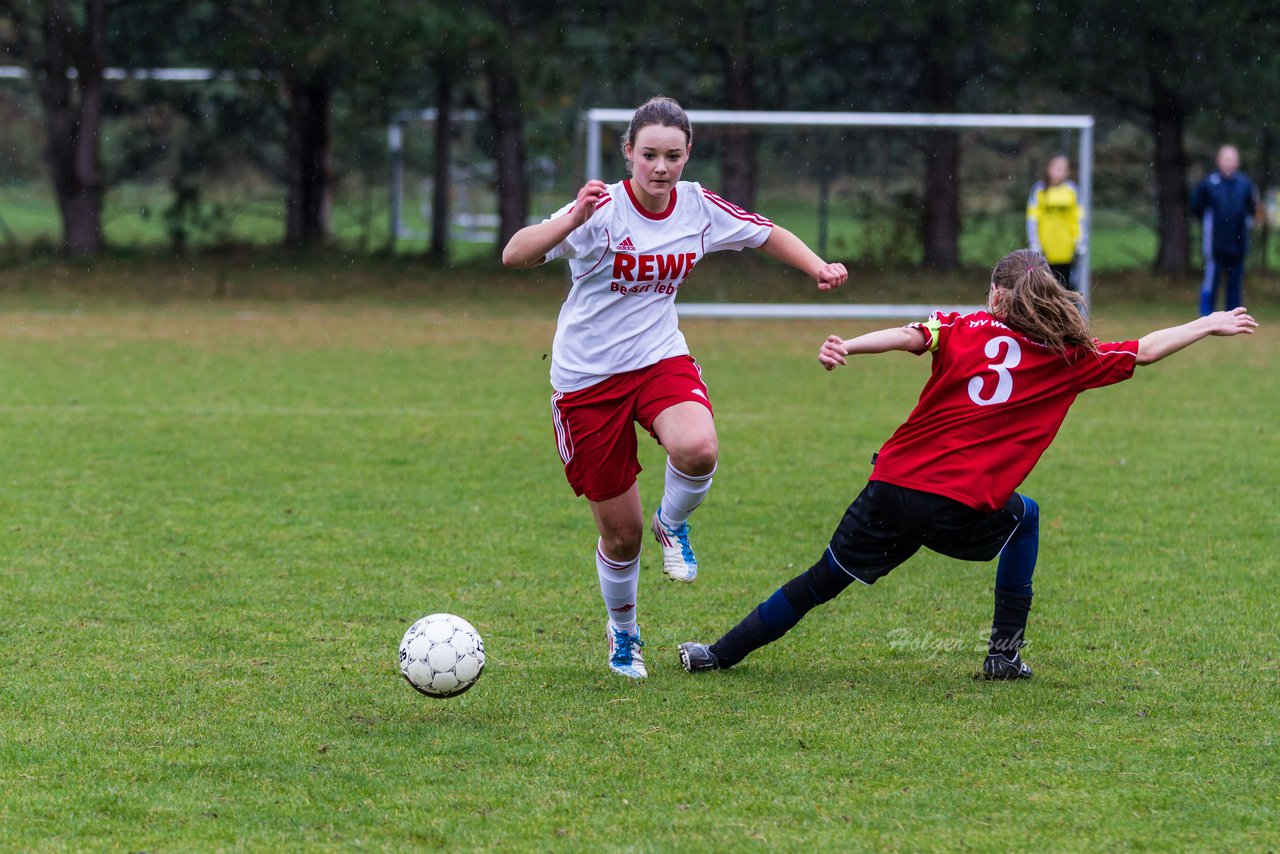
(627, 265)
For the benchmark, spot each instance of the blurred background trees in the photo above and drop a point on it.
(286, 140)
(64, 47)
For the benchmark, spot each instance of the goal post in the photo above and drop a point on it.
(473, 216)
(598, 118)
(396, 155)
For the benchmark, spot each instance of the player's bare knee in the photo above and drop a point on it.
(626, 549)
(697, 456)
(622, 542)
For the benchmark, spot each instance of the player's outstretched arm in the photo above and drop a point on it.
(835, 348)
(1165, 342)
(529, 246)
(791, 250)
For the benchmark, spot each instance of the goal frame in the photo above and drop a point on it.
(597, 118)
(395, 153)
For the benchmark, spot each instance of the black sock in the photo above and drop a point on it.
(774, 617)
(1009, 623)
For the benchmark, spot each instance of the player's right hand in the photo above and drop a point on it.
(832, 276)
(588, 197)
(833, 353)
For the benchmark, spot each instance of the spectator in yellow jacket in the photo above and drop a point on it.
(1055, 220)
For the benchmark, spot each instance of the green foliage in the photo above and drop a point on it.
(211, 218)
(1069, 56)
(221, 516)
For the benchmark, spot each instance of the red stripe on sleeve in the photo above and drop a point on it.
(735, 211)
(604, 198)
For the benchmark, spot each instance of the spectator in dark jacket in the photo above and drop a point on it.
(1225, 202)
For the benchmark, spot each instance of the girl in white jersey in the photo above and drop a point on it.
(619, 356)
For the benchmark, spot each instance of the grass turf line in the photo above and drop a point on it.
(220, 519)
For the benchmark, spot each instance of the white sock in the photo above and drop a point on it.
(618, 583)
(682, 494)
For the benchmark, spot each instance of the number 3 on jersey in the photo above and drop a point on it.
(1004, 380)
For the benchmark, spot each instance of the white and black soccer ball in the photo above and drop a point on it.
(442, 655)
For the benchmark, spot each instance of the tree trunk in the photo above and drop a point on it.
(940, 223)
(440, 185)
(82, 222)
(73, 119)
(307, 154)
(738, 158)
(1168, 116)
(941, 220)
(508, 129)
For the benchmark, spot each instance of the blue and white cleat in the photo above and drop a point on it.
(625, 657)
(678, 562)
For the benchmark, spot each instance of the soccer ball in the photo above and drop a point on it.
(441, 655)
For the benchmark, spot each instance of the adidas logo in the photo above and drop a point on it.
(626, 245)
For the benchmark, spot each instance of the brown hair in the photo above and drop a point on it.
(1028, 297)
(658, 110)
(1053, 157)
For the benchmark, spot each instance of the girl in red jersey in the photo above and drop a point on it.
(1001, 383)
(619, 356)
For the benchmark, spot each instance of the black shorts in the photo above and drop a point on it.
(886, 524)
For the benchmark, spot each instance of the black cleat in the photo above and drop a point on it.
(998, 666)
(695, 657)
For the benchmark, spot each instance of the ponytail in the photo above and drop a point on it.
(1027, 297)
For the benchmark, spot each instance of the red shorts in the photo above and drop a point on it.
(593, 425)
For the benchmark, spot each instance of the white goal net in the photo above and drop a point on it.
(596, 120)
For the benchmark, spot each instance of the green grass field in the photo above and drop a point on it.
(219, 517)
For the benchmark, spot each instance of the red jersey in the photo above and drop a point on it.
(991, 407)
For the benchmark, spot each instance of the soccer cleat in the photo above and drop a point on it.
(1001, 667)
(678, 562)
(696, 657)
(625, 657)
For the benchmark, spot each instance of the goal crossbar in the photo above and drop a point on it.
(595, 119)
(801, 118)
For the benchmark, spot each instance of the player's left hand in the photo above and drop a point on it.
(833, 353)
(1233, 322)
(831, 276)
